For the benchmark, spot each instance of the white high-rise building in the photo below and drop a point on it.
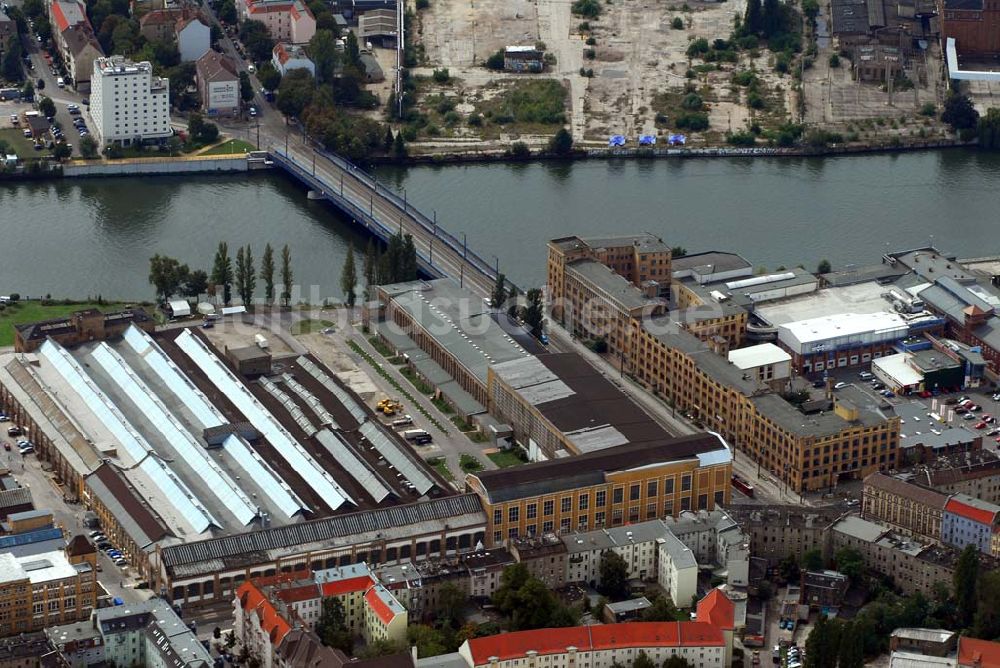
(127, 103)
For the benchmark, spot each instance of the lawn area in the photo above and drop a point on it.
(410, 375)
(382, 349)
(310, 326)
(441, 466)
(23, 146)
(469, 463)
(505, 458)
(231, 147)
(33, 311)
(538, 104)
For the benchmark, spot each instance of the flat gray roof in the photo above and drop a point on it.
(614, 286)
(852, 525)
(712, 262)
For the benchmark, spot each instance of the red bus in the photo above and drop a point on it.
(743, 486)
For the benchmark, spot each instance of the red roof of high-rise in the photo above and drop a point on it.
(347, 585)
(380, 607)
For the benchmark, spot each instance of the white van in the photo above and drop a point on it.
(61, 82)
(404, 421)
(417, 436)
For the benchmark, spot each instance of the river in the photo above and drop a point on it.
(88, 237)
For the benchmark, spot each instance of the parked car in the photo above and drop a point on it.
(6, 446)
(95, 533)
(839, 386)
(980, 425)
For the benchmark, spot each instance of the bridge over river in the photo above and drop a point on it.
(384, 213)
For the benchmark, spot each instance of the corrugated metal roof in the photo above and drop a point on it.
(395, 454)
(355, 466)
(342, 526)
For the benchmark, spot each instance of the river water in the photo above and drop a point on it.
(87, 237)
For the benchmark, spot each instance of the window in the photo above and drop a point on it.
(564, 524)
(497, 516)
(686, 503)
(547, 507)
(633, 492)
(547, 526)
(686, 483)
(651, 488)
(600, 498)
(567, 504)
(702, 501)
(619, 494)
(668, 485)
(584, 501)
(512, 532)
(651, 511)
(720, 498)
(532, 511)
(513, 514)
(598, 520)
(633, 514)
(497, 536)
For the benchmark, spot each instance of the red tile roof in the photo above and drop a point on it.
(380, 607)
(297, 594)
(593, 638)
(251, 598)
(967, 511)
(347, 586)
(718, 610)
(978, 653)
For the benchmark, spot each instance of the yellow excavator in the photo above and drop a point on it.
(389, 407)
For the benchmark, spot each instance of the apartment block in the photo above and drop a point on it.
(606, 488)
(969, 521)
(906, 507)
(776, 532)
(149, 634)
(974, 474)
(128, 103)
(286, 20)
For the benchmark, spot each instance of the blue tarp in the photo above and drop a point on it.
(616, 140)
(118, 601)
(677, 139)
(647, 140)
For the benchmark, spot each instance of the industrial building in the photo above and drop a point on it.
(450, 337)
(605, 488)
(168, 445)
(559, 405)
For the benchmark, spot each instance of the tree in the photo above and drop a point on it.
(246, 88)
(662, 609)
(495, 61)
(230, 640)
(788, 568)
(246, 275)
(201, 131)
(428, 640)
(812, 560)
(752, 20)
(823, 267)
(222, 272)
(332, 626)
(269, 77)
(514, 308)
(217, 633)
(352, 51)
(286, 275)
(88, 147)
(822, 644)
(528, 603)
(399, 147)
(613, 571)
(676, 662)
(12, 70)
(166, 275)
(986, 622)
(196, 284)
(369, 267)
(965, 582)
(643, 661)
(61, 151)
(28, 89)
(499, 294)
(267, 273)
(387, 143)
(257, 40)
(227, 12)
(47, 107)
(988, 130)
(850, 563)
(451, 603)
(852, 647)
(295, 92)
(408, 267)
(678, 251)
(323, 52)
(349, 278)
(534, 312)
(959, 112)
(561, 142)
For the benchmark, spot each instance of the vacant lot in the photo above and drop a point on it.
(21, 145)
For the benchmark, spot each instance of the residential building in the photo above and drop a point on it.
(823, 590)
(259, 623)
(44, 581)
(449, 336)
(775, 532)
(184, 26)
(149, 634)
(288, 57)
(218, 84)
(908, 508)
(74, 38)
(558, 404)
(523, 59)
(545, 557)
(975, 653)
(26, 650)
(974, 474)
(705, 643)
(385, 618)
(286, 20)
(80, 326)
(932, 642)
(349, 584)
(128, 103)
(678, 570)
(606, 488)
(969, 521)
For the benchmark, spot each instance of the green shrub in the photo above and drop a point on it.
(475, 120)
(591, 41)
(692, 102)
(590, 9)
(442, 75)
(834, 60)
(677, 23)
(744, 138)
(694, 121)
(744, 77)
(520, 150)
